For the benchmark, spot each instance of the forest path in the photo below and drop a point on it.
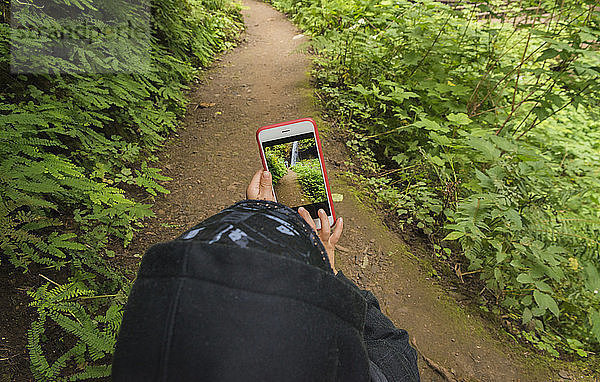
(288, 190)
(263, 81)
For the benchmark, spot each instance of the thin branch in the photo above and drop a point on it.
(432, 45)
(386, 132)
(99, 296)
(47, 279)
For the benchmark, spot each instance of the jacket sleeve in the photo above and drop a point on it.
(387, 346)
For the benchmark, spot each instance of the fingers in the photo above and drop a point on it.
(253, 188)
(306, 216)
(328, 238)
(261, 186)
(265, 187)
(337, 231)
(325, 229)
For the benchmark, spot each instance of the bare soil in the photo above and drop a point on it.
(265, 80)
(15, 317)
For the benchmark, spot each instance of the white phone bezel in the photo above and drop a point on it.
(288, 131)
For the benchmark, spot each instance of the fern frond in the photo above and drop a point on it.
(92, 372)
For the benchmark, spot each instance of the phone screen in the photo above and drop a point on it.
(297, 175)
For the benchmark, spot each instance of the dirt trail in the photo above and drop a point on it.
(265, 80)
(288, 190)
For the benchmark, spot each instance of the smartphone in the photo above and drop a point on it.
(291, 152)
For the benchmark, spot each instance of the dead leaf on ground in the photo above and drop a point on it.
(204, 105)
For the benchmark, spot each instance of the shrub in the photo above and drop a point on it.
(276, 165)
(311, 179)
(75, 143)
(483, 132)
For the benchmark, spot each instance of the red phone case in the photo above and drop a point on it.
(319, 150)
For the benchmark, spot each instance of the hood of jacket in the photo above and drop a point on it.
(212, 312)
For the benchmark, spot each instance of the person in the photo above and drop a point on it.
(252, 294)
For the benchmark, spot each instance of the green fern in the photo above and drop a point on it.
(95, 335)
(92, 372)
(65, 138)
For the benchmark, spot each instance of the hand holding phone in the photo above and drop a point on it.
(328, 238)
(260, 187)
(291, 152)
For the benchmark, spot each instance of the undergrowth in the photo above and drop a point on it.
(77, 137)
(311, 179)
(276, 164)
(478, 124)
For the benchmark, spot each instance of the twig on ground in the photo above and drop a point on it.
(8, 358)
(47, 279)
(434, 365)
(460, 273)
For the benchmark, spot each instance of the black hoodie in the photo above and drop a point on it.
(210, 306)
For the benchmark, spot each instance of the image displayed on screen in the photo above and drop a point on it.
(296, 170)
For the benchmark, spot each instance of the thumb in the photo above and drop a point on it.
(254, 186)
(265, 188)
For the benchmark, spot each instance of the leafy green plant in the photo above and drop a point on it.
(94, 335)
(76, 145)
(276, 165)
(479, 130)
(311, 179)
